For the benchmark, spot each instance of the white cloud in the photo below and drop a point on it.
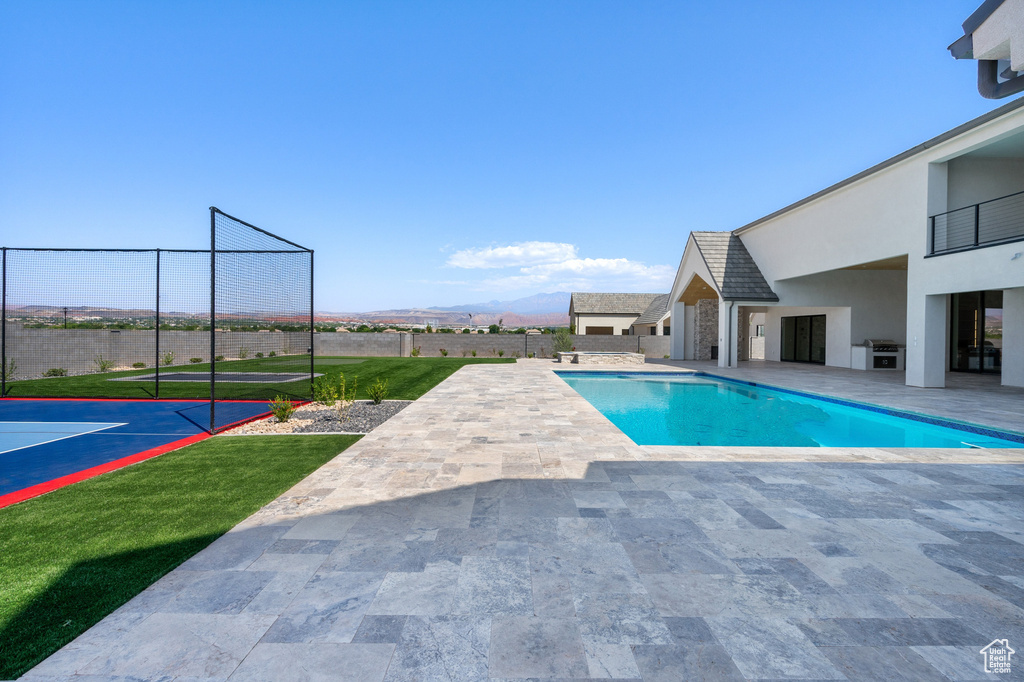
(527, 254)
(619, 274)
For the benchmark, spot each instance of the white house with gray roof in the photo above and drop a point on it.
(619, 314)
(915, 265)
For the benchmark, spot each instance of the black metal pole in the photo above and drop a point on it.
(213, 315)
(157, 363)
(3, 325)
(312, 327)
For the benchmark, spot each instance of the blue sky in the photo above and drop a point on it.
(437, 153)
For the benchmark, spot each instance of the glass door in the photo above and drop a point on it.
(803, 339)
(976, 330)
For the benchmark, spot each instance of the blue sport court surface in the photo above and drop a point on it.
(45, 444)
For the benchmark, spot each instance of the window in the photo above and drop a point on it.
(599, 331)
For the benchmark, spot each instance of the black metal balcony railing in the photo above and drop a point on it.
(991, 222)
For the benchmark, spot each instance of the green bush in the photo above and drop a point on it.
(55, 372)
(259, 355)
(444, 353)
(195, 361)
(219, 358)
(665, 356)
(273, 353)
(501, 353)
(102, 365)
(243, 353)
(563, 341)
(324, 391)
(378, 391)
(415, 352)
(138, 365)
(346, 396)
(9, 369)
(465, 352)
(282, 408)
(473, 352)
(167, 358)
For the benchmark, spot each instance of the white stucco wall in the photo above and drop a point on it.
(617, 322)
(837, 332)
(972, 180)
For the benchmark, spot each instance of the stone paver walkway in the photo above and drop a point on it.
(500, 528)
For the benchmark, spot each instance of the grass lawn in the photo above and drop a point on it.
(408, 378)
(69, 558)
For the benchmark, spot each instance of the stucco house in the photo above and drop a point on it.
(915, 265)
(619, 314)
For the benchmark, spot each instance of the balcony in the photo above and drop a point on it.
(997, 221)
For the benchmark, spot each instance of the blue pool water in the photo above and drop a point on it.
(701, 409)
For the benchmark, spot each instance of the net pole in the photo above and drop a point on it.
(3, 326)
(156, 365)
(312, 327)
(213, 313)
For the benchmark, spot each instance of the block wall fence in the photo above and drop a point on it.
(77, 349)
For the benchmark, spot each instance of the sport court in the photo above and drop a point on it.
(47, 444)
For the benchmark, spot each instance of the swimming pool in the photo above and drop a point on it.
(703, 409)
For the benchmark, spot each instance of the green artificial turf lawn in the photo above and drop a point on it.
(69, 558)
(408, 379)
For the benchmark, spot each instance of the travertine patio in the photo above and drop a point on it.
(501, 528)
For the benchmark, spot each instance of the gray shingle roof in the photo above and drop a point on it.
(655, 311)
(611, 304)
(735, 273)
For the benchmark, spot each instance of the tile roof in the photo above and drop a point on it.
(610, 304)
(736, 275)
(655, 311)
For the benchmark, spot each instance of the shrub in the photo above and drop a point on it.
(138, 365)
(195, 361)
(516, 354)
(243, 353)
(9, 368)
(219, 358)
(415, 352)
(466, 330)
(102, 365)
(465, 352)
(273, 353)
(378, 391)
(444, 353)
(55, 372)
(501, 353)
(282, 408)
(563, 340)
(643, 351)
(259, 355)
(531, 355)
(665, 356)
(474, 353)
(167, 358)
(346, 396)
(324, 391)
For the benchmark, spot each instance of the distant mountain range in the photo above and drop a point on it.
(557, 302)
(541, 310)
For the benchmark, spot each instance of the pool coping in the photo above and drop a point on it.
(970, 427)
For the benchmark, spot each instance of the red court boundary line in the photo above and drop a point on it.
(57, 483)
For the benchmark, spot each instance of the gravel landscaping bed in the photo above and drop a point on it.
(363, 417)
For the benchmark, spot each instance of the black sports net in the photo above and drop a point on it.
(89, 323)
(263, 303)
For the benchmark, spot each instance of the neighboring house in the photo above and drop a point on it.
(994, 35)
(924, 250)
(615, 314)
(654, 320)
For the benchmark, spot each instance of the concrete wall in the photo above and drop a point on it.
(35, 351)
(485, 345)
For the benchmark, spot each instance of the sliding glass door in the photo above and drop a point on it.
(803, 339)
(976, 331)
